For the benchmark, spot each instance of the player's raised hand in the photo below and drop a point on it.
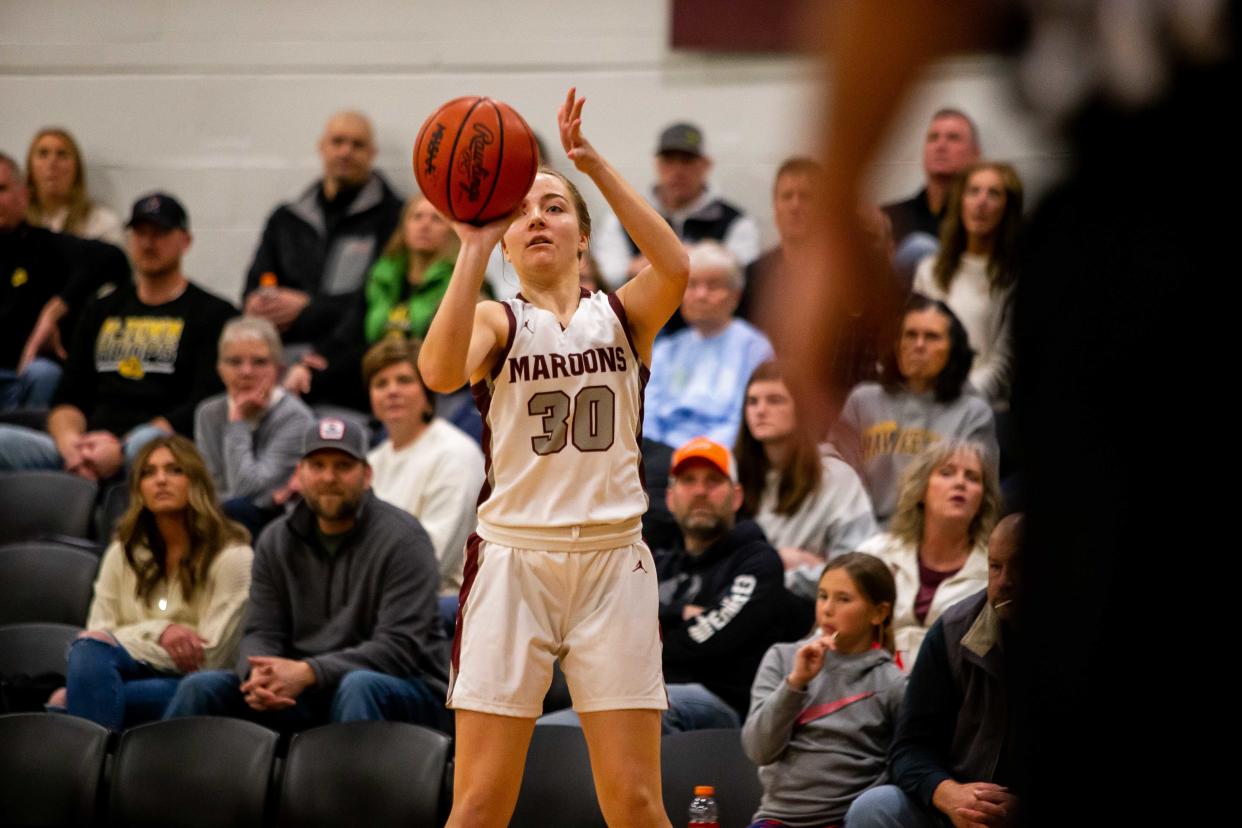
(569, 124)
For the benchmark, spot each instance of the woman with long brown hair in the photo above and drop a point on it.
(975, 269)
(169, 595)
(809, 502)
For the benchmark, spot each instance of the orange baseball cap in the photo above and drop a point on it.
(703, 448)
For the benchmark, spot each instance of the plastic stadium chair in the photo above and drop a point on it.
(112, 504)
(50, 765)
(192, 773)
(709, 757)
(32, 663)
(39, 503)
(365, 774)
(557, 788)
(45, 582)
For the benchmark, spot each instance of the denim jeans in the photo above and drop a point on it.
(887, 806)
(690, 707)
(24, 448)
(32, 388)
(362, 695)
(106, 685)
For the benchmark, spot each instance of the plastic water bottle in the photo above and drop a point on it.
(703, 812)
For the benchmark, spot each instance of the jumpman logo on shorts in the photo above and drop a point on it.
(639, 567)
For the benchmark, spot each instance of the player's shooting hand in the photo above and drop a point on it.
(569, 125)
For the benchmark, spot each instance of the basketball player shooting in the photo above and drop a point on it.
(553, 572)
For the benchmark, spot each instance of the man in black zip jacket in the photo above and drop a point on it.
(342, 623)
(721, 593)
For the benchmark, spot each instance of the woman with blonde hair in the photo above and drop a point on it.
(56, 178)
(169, 595)
(936, 545)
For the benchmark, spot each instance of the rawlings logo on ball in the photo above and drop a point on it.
(433, 147)
(471, 161)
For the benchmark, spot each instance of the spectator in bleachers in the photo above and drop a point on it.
(684, 198)
(169, 595)
(427, 467)
(794, 193)
(936, 544)
(251, 435)
(954, 754)
(342, 622)
(56, 181)
(142, 359)
(56, 178)
(319, 247)
(823, 709)
(807, 500)
(922, 398)
(403, 291)
(951, 145)
(975, 269)
(699, 374)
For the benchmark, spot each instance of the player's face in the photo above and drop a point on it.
(703, 500)
(710, 298)
(955, 489)
(769, 410)
(793, 206)
(155, 250)
(923, 350)
(13, 199)
(841, 608)
(545, 235)
(397, 396)
(333, 483)
(948, 148)
(983, 203)
(681, 177)
(53, 166)
(247, 365)
(163, 483)
(347, 149)
(425, 230)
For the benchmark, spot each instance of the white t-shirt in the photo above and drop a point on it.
(436, 479)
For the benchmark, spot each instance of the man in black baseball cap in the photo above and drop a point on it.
(141, 360)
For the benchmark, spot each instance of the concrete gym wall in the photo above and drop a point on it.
(221, 103)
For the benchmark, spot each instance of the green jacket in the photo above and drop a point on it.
(385, 285)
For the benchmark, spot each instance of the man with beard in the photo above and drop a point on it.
(342, 622)
(721, 592)
(955, 754)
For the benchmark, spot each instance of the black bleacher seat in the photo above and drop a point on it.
(45, 582)
(32, 663)
(709, 757)
(50, 768)
(42, 503)
(557, 788)
(365, 774)
(196, 772)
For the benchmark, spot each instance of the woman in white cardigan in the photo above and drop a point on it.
(974, 271)
(936, 545)
(169, 595)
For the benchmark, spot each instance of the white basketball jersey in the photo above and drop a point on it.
(562, 419)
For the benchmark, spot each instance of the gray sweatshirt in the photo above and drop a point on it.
(879, 433)
(819, 749)
(369, 606)
(251, 459)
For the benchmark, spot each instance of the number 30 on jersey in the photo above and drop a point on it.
(587, 420)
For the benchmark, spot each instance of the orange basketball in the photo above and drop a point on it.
(475, 159)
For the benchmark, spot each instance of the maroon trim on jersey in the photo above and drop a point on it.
(483, 402)
(619, 310)
(644, 374)
(499, 365)
(583, 293)
(819, 711)
(469, 571)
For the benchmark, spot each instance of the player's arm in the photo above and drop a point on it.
(448, 357)
(652, 296)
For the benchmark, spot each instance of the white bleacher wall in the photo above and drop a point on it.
(221, 103)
